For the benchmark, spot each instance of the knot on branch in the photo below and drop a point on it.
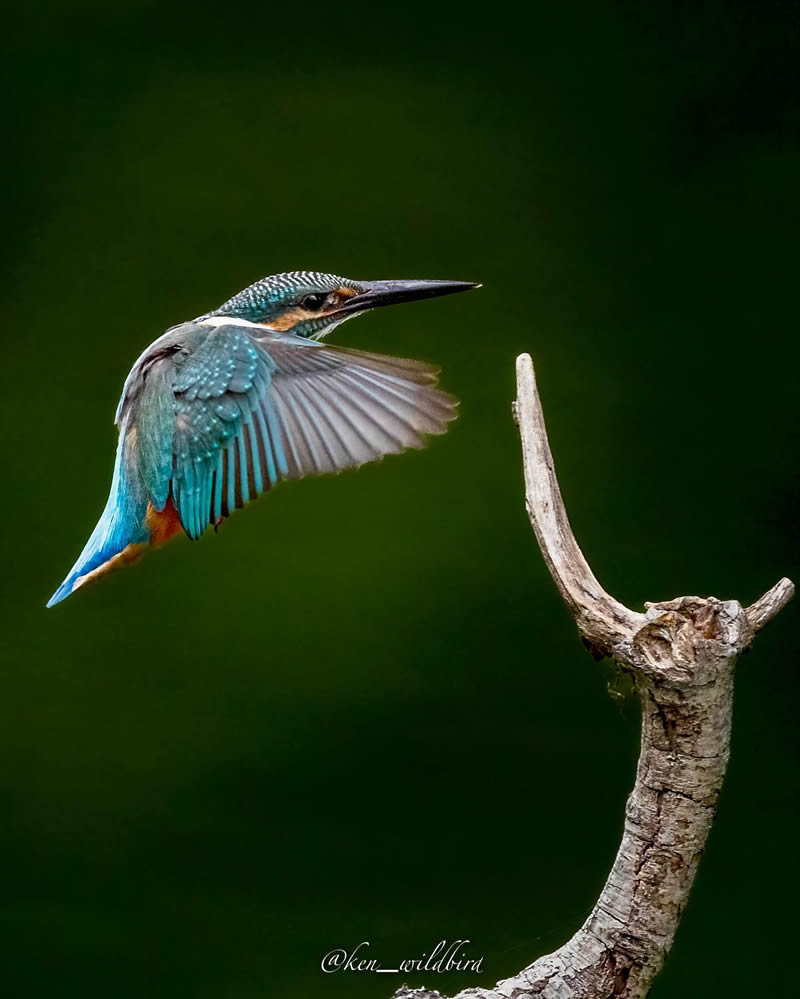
(687, 642)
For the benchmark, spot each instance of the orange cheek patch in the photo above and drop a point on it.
(289, 319)
(292, 317)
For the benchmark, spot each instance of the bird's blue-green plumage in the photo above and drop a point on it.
(122, 523)
(222, 408)
(267, 298)
(221, 416)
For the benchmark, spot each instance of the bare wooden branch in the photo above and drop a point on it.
(601, 619)
(773, 601)
(681, 655)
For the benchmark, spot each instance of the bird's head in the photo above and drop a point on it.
(310, 304)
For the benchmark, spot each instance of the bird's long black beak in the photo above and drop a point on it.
(380, 293)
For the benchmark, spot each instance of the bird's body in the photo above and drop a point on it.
(222, 408)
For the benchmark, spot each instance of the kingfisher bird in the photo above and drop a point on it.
(222, 408)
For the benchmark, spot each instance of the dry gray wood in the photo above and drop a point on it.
(681, 655)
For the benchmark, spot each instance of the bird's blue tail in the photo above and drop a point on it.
(120, 532)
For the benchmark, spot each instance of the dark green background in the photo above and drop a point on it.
(362, 712)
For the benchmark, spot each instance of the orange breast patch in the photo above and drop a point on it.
(162, 524)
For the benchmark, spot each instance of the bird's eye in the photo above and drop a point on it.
(314, 302)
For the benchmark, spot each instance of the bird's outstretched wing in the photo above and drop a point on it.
(251, 410)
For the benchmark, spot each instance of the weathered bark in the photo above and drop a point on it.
(681, 655)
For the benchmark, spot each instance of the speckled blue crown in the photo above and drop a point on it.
(266, 298)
